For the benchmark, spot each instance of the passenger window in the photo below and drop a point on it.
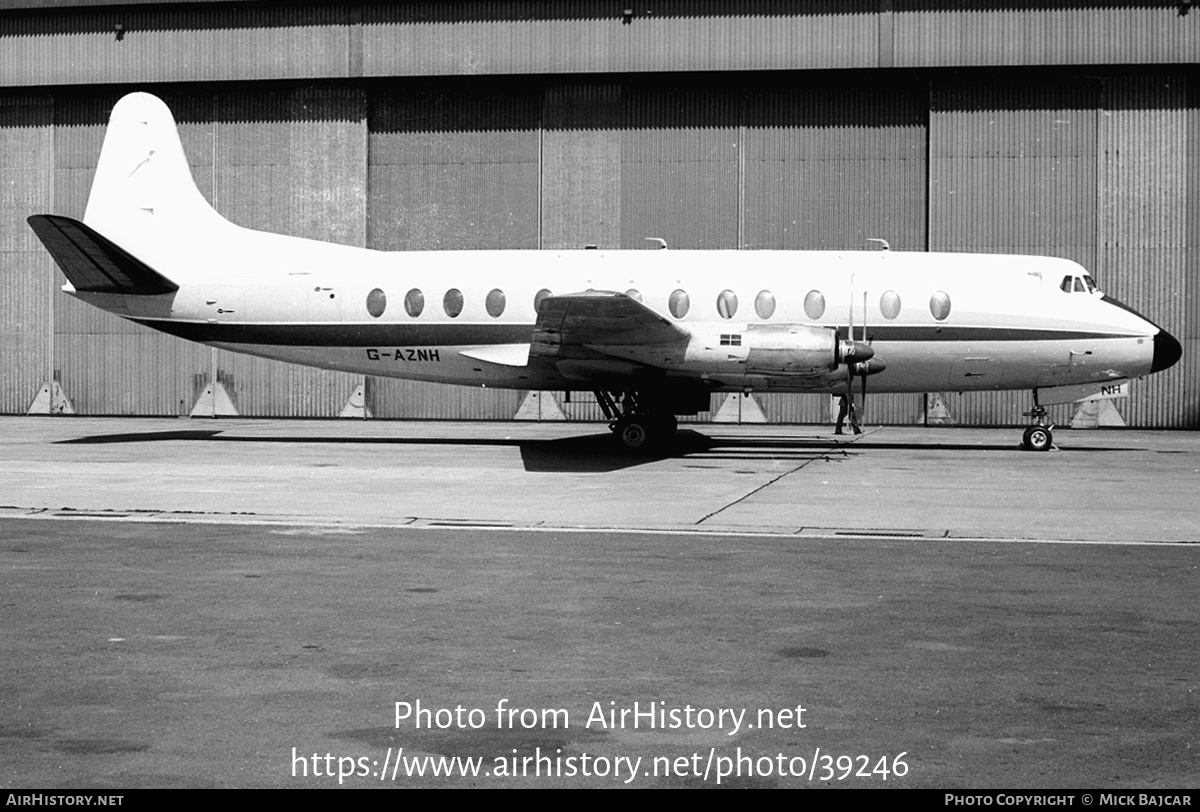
(539, 297)
(633, 293)
(679, 304)
(452, 303)
(727, 304)
(889, 304)
(495, 303)
(414, 303)
(376, 302)
(814, 304)
(939, 305)
(764, 304)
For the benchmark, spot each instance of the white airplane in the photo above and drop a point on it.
(653, 333)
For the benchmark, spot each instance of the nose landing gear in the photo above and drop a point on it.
(1039, 437)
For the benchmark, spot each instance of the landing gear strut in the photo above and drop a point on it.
(1038, 437)
(636, 428)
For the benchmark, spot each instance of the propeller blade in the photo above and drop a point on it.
(863, 397)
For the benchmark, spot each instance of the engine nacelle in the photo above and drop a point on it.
(800, 350)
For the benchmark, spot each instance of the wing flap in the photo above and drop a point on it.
(93, 263)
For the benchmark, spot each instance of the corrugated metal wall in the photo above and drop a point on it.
(1142, 221)
(995, 32)
(1099, 169)
(26, 186)
(182, 43)
(583, 36)
(680, 165)
(1190, 335)
(581, 171)
(190, 42)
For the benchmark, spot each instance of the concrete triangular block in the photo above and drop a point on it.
(51, 399)
(539, 406)
(356, 406)
(938, 412)
(1092, 414)
(739, 408)
(214, 401)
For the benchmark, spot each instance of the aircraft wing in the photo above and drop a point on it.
(600, 321)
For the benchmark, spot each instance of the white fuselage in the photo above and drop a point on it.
(937, 321)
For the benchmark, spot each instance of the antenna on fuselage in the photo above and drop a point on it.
(883, 244)
(662, 244)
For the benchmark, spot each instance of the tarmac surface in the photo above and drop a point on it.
(241, 603)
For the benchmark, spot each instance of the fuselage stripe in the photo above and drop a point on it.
(465, 333)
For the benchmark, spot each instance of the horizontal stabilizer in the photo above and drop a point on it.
(93, 263)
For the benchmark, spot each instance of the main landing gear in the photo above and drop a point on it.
(637, 428)
(1039, 437)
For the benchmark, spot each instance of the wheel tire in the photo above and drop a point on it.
(1038, 438)
(634, 434)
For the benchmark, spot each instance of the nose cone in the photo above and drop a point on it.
(1166, 351)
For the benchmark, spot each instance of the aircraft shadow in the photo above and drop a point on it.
(599, 453)
(593, 453)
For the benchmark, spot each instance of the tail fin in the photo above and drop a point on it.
(94, 264)
(143, 196)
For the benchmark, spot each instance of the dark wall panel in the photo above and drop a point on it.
(27, 273)
(1001, 32)
(179, 43)
(831, 167)
(680, 166)
(581, 170)
(453, 169)
(1191, 282)
(1013, 167)
(1142, 223)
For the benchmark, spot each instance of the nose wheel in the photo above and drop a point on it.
(1039, 437)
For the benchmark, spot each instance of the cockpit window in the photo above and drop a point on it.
(1078, 284)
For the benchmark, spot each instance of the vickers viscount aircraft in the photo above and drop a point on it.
(653, 333)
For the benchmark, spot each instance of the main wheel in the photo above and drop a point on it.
(634, 433)
(1038, 438)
